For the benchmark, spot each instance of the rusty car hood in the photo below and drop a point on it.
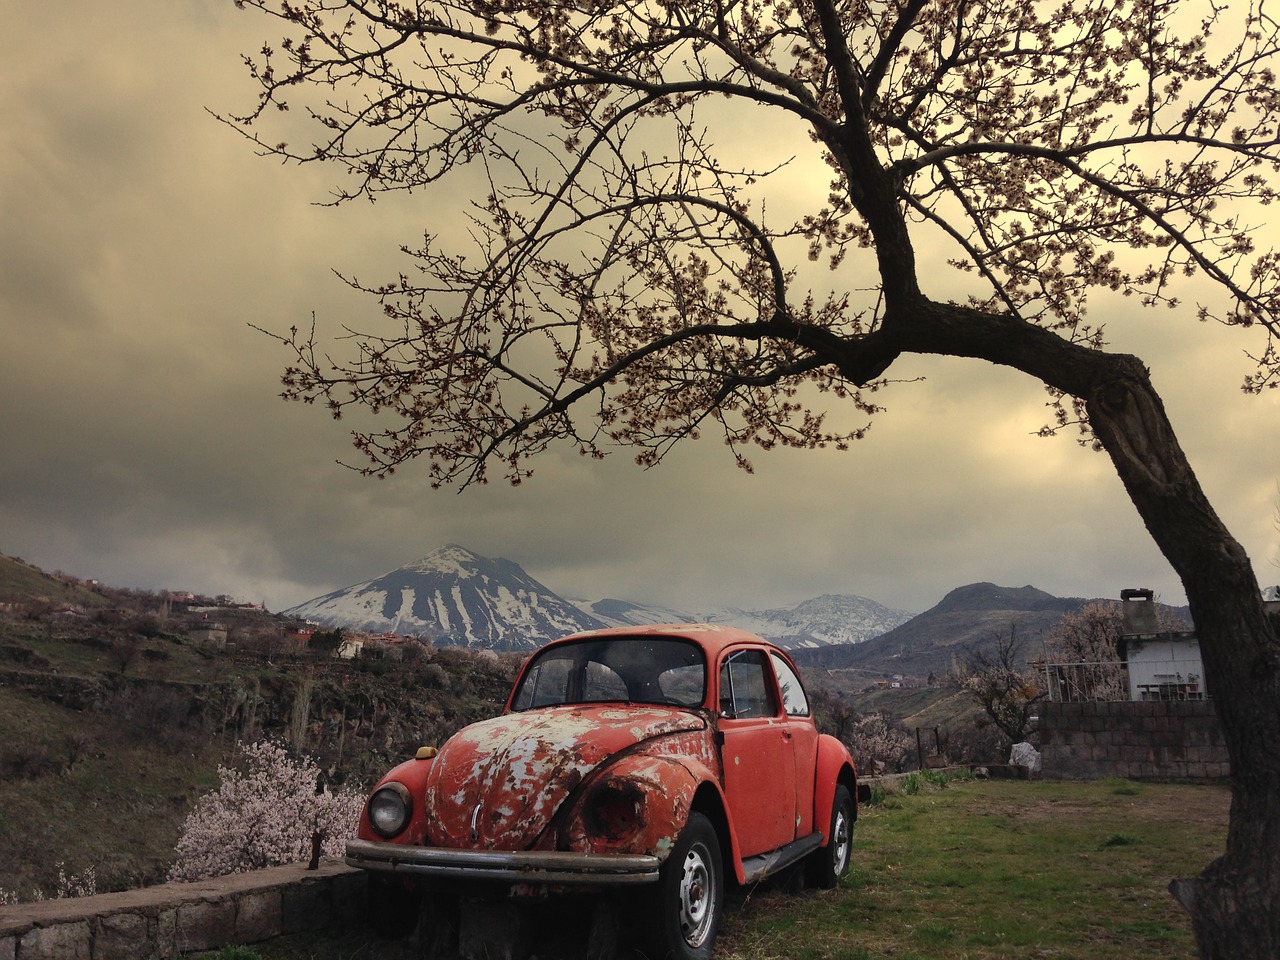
(496, 784)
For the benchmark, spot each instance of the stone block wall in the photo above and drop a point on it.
(172, 920)
(1138, 740)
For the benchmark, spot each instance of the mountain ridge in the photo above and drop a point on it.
(454, 596)
(969, 619)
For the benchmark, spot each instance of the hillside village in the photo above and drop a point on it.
(220, 623)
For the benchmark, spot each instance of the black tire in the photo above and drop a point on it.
(689, 897)
(828, 864)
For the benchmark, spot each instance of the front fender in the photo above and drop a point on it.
(637, 805)
(413, 774)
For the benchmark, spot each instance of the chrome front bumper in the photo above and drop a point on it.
(519, 866)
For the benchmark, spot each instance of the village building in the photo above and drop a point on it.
(1163, 664)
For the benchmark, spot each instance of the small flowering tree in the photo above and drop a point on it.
(84, 884)
(263, 814)
(1084, 648)
(877, 744)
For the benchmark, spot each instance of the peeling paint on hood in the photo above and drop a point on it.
(496, 784)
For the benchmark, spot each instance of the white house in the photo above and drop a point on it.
(1163, 664)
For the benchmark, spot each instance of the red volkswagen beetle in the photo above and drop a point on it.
(665, 761)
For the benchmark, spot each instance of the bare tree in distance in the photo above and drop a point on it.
(632, 278)
(999, 681)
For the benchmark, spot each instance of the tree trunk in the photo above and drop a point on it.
(1235, 903)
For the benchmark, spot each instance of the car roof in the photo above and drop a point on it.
(712, 637)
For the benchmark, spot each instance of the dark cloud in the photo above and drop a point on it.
(144, 444)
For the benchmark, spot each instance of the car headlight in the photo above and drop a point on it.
(615, 810)
(390, 808)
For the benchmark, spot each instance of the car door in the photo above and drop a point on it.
(801, 739)
(759, 768)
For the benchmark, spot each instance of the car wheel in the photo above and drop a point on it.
(828, 864)
(690, 895)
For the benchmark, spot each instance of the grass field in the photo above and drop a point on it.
(1004, 869)
(967, 870)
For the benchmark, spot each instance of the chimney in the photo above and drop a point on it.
(1138, 610)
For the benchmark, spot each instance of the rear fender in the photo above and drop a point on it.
(835, 767)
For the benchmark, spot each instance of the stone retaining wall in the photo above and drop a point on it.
(168, 921)
(1155, 740)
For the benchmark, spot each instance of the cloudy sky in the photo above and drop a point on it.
(144, 445)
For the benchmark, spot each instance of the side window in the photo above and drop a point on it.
(744, 686)
(793, 699)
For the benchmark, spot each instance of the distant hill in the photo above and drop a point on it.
(819, 622)
(22, 583)
(969, 618)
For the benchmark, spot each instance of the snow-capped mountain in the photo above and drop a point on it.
(453, 597)
(627, 613)
(824, 620)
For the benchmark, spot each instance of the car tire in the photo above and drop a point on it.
(689, 896)
(828, 864)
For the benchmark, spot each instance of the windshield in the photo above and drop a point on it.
(665, 670)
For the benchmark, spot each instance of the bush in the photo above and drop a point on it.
(264, 816)
(84, 884)
(878, 745)
(28, 761)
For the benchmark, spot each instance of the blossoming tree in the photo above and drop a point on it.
(265, 813)
(632, 277)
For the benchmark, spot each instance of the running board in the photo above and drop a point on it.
(764, 864)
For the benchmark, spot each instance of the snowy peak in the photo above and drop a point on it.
(832, 618)
(453, 597)
(824, 620)
(452, 560)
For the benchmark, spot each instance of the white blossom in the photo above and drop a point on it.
(264, 815)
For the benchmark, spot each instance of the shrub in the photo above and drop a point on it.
(263, 816)
(83, 884)
(28, 761)
(878, 745)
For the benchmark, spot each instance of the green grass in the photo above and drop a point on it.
(970, 870)
(1003, 869)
